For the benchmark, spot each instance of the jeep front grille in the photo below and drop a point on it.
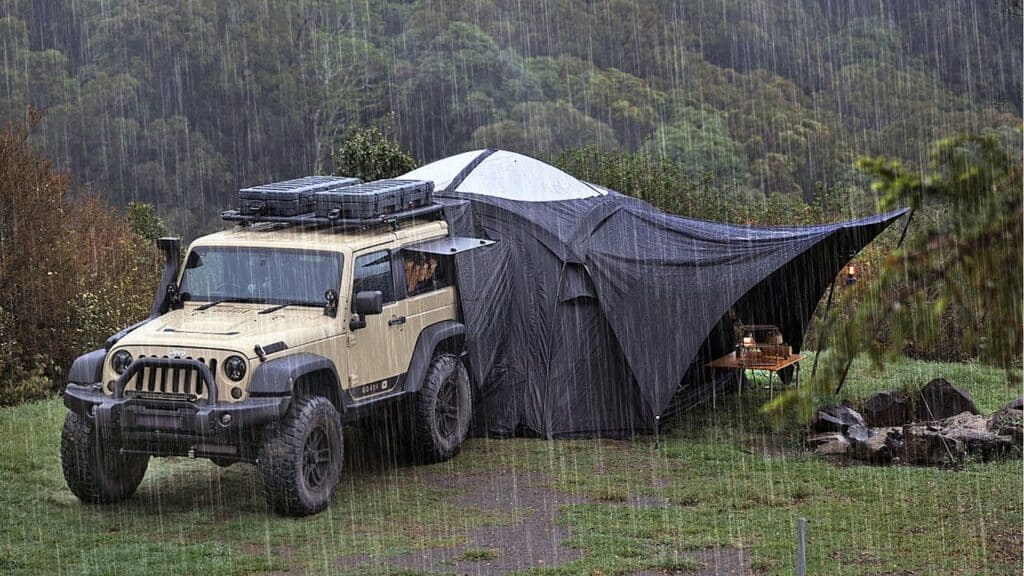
(177, 383)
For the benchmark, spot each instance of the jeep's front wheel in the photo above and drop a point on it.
(443, 409)
(95, 471)
(300, 458)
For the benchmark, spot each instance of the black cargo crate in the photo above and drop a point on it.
(373, 199)
(288, 198)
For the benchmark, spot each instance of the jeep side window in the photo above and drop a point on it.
(373, 272)
(426, 272)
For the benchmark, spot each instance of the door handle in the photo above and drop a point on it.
(396, 320)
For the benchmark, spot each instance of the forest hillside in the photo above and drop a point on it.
(179, 103)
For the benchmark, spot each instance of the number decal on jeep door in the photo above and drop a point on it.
(374, 388)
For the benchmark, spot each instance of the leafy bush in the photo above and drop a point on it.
(20, 380)
(73, 270)
(144, 221)
(372, 154)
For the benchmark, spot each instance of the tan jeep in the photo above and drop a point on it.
(270, 338)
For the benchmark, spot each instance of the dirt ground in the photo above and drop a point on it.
(534, 538)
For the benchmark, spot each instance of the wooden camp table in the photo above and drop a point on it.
(731, 362)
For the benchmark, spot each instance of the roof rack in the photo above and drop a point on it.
(428, 212)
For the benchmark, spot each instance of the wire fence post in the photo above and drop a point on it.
(801, 547)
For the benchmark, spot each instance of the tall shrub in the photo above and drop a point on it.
(71, 269)
(372, 154)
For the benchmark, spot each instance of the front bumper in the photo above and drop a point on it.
(151, 419)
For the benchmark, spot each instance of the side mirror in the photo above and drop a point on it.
(193, 261)
(366, 303)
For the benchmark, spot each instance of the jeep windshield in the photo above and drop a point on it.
(218, 274)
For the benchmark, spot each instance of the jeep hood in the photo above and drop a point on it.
(236, 327)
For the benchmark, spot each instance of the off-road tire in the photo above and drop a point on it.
(300, 458)
(443, 410)
(94, 469)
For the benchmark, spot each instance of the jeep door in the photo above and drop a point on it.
(381, 351)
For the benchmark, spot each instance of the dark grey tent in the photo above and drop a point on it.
(594, 313)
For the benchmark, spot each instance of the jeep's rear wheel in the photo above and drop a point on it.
(95, 471)
(300, 458)
(443, 409)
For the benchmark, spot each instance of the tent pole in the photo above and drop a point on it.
(842, 379)
(846, 369)
(821, 338)
(906, 227)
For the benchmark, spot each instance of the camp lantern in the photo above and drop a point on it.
(851, 274)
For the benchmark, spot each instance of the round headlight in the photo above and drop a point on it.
(234, 368)
(121, 360)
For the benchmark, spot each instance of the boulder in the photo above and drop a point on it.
(1009, 421)
(984, 444)
(829, 444)
(939, 399)
(878, 446)
(946, 442)
(973, 431)
(889, 408)
(964, 420)
(859, 432)
(929, 446)
(835, 419)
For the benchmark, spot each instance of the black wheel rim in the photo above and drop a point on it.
(316, 458)
(446, 409)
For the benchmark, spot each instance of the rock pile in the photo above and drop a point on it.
(939, 426)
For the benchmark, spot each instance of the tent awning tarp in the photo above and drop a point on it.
(593, 309)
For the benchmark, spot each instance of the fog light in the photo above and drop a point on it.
(225, 419)
(236, 392)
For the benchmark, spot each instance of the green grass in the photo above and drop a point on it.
(988, 387)
(729, 479)
(478, 555)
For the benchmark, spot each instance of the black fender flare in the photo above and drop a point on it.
(427, 343)
(88, 368)
(278, 377)
(124, 332)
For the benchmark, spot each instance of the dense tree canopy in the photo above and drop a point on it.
(178, 103)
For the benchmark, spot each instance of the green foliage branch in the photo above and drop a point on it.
(373, 154)
(968, 261)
